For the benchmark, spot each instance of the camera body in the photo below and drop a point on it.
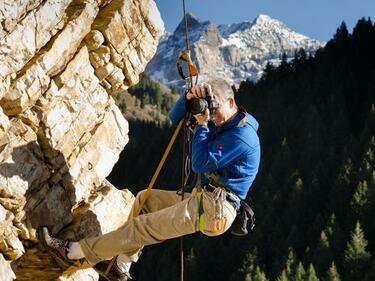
(197, 106)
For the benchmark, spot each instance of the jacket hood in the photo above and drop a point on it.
(239, 121)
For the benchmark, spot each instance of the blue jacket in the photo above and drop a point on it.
(231, 151)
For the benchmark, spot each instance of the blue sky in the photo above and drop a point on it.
(318, 19)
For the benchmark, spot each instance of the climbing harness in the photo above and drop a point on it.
(211, 217)
(245, 215)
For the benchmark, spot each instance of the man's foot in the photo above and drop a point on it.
(114, 274)
(56, 247)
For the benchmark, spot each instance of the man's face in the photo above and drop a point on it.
(222, 112)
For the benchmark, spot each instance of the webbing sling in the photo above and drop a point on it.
(199, 193)
(201, 218)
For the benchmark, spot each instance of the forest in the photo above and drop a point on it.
(314, 195)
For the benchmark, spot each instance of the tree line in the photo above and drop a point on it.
(149, 92)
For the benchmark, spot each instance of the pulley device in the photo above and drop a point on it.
(184, 57)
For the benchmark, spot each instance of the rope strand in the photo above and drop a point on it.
(186, 26)
(186, 150)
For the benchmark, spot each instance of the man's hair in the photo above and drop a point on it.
(221, 88)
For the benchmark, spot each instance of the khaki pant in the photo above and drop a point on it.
(164, 216)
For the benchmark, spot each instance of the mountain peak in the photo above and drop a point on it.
(237, 51)
(192, 23)
(264, 19)
(261, 20)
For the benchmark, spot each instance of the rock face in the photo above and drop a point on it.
(60, 130)
(234, 52)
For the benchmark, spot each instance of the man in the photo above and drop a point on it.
(225, 151)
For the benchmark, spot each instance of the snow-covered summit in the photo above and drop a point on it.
(235, 52)
(261, 20)
(265, 20)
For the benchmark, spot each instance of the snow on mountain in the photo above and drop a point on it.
(235, 52)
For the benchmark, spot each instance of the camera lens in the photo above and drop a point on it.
(196, 106)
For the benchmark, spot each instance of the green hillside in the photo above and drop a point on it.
(148, 101)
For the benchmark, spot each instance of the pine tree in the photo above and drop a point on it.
(356, 256)
(360, 198)
(366, 188)
(335, 236)
(248, 277)
(341, 193)
(259, 275)
(247, 269)
(283, 276)
(290, 263)
(342, 32)
(300, 273)
(332, 274)
(323, 254)
(311, 274)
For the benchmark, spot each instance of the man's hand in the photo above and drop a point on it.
(202, 118)
(199, 91)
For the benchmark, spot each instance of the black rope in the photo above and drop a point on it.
(187, 39)
(186, 26)
(186, 171)
(183, 181)
(186, 167)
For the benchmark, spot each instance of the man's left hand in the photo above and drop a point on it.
(203, 118)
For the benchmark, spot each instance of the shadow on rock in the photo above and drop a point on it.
(46, 193)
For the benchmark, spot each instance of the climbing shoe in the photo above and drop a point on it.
(56, 247)
(114, 274)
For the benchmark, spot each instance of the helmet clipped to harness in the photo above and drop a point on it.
(240, 224)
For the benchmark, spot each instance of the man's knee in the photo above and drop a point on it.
(141, 193)
(140, 201)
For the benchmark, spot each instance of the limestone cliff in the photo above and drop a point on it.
(61, 61)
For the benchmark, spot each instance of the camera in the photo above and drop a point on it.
(196, 106)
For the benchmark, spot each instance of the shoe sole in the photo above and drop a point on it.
(102, 275)
(56, 256)
(106, 277)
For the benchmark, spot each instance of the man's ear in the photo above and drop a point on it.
(231, 102)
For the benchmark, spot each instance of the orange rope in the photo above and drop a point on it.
(152, 182)
(158, 169)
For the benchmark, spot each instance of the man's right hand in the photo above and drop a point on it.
(199, 91)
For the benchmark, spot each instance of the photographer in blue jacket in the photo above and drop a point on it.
(225, 152)
(225, 147)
